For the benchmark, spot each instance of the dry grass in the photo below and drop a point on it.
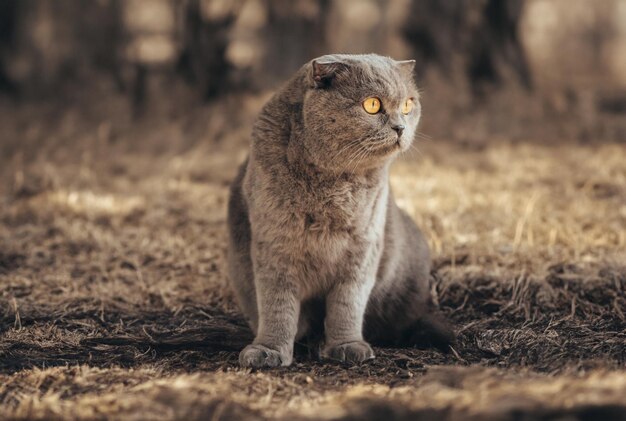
(114, 301)
(523, 206)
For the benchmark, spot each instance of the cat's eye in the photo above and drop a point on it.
(407, 107)
(371, 105)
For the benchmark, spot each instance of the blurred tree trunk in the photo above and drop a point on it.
(44, 43)
(295, 34)
(8, 18)
(476, 40)
(202, 60)
(270, 39)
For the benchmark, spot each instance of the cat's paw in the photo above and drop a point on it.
(350, 352)
(259, 356)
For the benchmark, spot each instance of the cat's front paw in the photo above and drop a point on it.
(259, 356)
(350, 352)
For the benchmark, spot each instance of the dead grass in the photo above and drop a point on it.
(444, 392)
(114, 302)
(522, 206)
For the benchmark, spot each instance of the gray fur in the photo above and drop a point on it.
(312, 221)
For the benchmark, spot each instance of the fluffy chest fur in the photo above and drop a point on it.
(322, 229)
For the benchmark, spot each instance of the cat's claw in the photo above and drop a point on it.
(259, 356)
(350, 352)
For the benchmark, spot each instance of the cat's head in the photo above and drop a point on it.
(359, 110)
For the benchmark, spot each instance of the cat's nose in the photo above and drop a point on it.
(399, 128)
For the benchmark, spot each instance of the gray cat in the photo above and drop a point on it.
(317, 242)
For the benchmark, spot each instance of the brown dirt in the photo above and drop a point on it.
(114, 302)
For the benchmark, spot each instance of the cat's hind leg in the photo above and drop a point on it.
(407, 318)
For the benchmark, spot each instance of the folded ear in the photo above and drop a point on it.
(324, 71)
(406, 67)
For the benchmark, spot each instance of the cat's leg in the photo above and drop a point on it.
(406, 317)
(239, 261)
(400, 311)
(278, 307)
(343, 326)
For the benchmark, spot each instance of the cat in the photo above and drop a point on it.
(317, 244)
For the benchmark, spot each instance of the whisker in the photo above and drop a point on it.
(351, 157)
(343, 149)
(415, 149)
(423, 136)
(359, 157)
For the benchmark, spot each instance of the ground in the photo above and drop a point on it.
(114, 298)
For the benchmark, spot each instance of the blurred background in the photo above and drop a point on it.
(165, 75)
(541, 69)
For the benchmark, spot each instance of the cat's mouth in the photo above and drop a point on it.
(389, 147)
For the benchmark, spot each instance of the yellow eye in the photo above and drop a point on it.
(371, 105)
(407, 106)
